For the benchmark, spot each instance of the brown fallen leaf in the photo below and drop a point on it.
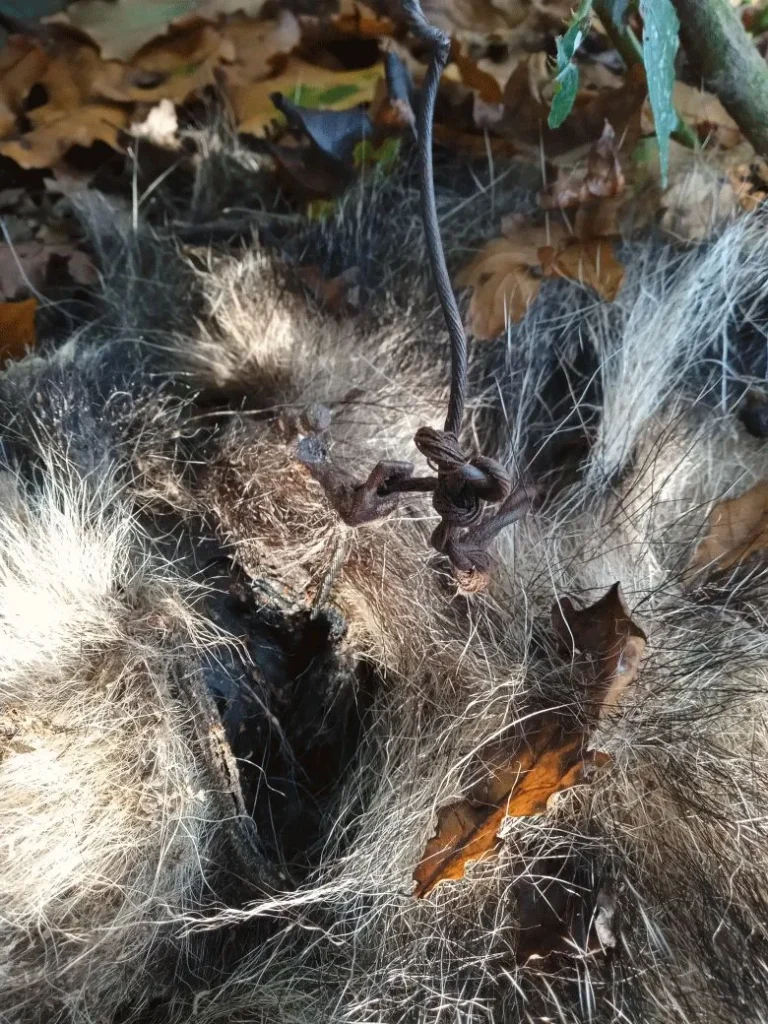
(23, 63)
(335, 292)
(503, 287)
(553, 760)
(749, 182)
(604, 631)
(525, 116)
(173, 67)
(44, 146)
(603, 177)
(484, 84)
(358, 20)
(17, 328)
(259, 47)
(592, 263)
(304, 84)
(737, 529)
(116, 26)
(506, 276)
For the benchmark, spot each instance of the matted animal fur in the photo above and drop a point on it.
(228, 721)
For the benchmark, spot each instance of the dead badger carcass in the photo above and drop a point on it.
(235, 728)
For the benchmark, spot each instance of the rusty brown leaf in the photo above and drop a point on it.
(592, 262)
(17, 328)
(552, 760)
(484, 84)
(737, 529)
(335, 293)
(606, 633)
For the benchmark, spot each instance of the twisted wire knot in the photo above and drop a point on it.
(465, 484)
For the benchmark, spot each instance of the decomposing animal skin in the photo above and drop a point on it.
(228, 721)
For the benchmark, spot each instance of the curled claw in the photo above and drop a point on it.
(375, 499)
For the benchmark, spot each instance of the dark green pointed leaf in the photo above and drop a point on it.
(661, 30)
(567, 77)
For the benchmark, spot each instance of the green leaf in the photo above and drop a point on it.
(567, 77)
(618, 9)
(384, 158)
(660, 41)
(317, 98)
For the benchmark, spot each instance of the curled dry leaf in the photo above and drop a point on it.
(603, 177)
(553, 760)
(737, 529)
(606, 632)
(17, 328)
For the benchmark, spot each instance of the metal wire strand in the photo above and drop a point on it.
(440, 48)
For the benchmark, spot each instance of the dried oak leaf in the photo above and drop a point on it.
(304, 84)
(604, 631)
(603, 177)
(505, 276)
(46, 145)
(552, 760)
(592, 262)
(172, 66)
(738, 528)
(17, 328)
(507, 273)
(260, 47)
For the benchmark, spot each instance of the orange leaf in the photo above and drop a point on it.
(605, 631)
(738, 528)
(17, 328)
(504, 285)
(591, 262)
(485, 85)
(553, 760)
